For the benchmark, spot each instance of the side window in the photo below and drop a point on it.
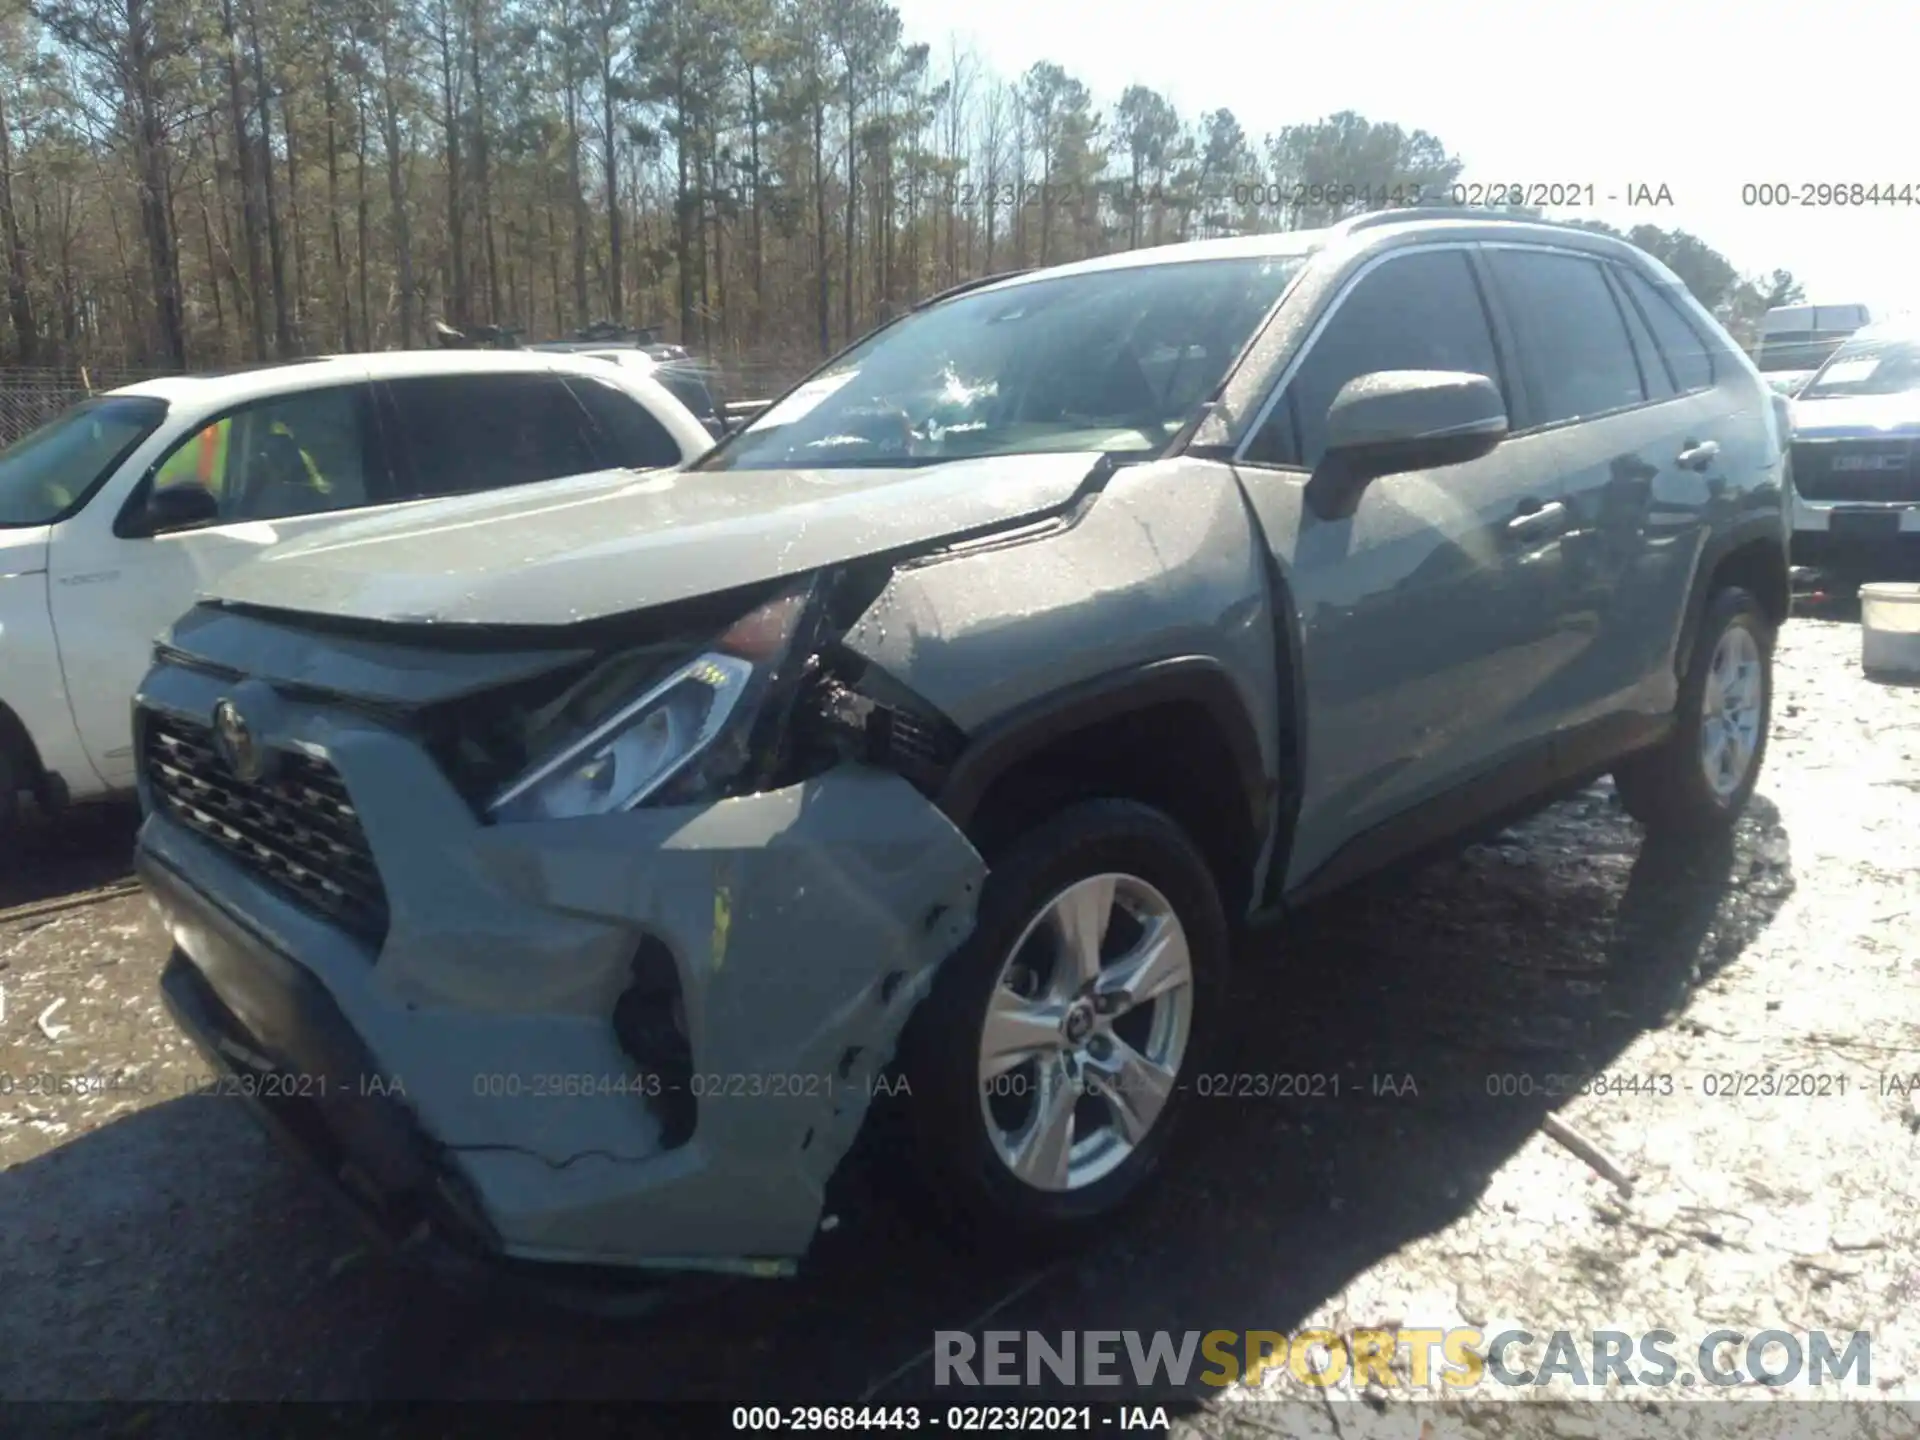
(630, 435)
(465, 433)
(200, 459)
(1653, 369)
(1420, 311)
(299, 454)
(1573, 341)
(1687, 354)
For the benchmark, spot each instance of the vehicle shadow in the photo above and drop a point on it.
(172, 1254)
(56, 856)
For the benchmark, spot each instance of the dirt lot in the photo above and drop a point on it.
(155, 1246)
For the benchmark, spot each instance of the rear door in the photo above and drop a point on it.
(279, 467)
(1623, 422)
(1426, 615)
(1710, 433)
(458, 434)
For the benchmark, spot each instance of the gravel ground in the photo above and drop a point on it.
(154, 1246)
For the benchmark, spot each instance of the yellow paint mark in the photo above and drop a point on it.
(722, 922)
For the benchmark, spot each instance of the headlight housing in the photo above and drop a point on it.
(686, 735)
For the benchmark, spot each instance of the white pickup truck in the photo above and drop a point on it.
(115, 516)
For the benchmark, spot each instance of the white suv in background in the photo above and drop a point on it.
(116, 515)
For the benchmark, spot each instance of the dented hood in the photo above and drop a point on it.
(610, 543)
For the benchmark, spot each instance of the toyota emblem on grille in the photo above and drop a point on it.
(233, 742)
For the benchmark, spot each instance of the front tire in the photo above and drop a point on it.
(10, 783)
(1700, 778)
(1049, 1065)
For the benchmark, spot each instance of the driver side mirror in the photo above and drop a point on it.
(1393, 421)
(176, 507)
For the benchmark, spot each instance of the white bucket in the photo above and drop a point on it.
(1890, 630)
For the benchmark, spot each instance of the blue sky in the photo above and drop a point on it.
(1702, 96)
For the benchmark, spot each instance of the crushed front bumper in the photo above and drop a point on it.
(465, 1075)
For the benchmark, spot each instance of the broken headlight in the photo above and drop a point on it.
(687, 736)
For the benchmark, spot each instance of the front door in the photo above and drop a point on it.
(279, 468)
(1427, 615)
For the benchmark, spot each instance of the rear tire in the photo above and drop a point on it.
(1005, 1148)
(1700, 778)
(11, 779)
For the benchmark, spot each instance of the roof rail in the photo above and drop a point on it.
(1433, 212)
(978, 282)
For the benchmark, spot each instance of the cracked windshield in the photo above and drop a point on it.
(1114, 360)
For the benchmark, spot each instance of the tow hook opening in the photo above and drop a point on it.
(650, 1023)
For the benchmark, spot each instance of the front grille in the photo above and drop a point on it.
(296, 829)
(1865, 470)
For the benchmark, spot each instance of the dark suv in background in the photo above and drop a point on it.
(944, 723)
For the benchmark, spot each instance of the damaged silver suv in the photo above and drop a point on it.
(572, 873)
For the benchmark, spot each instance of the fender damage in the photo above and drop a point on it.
(807, 924)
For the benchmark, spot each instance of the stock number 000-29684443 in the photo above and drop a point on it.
(1018, 1419)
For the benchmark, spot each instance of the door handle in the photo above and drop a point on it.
(1535, 519)
(1698, 457)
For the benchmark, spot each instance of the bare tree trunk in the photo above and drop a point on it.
(853, 206)
(363, 218)
(282, 316)
(26, 332)
(577, 196)
(531, 319)
(823, 288)
(298, 301)
(715, 318)
(230, 270)
(616, 287)
(456, 209)
(686, 234)
(156, 220)
(342, 300)
(397, 196)
(553, 269)
(237, 107)
(213, 271)
(757, 321)
(476, 19)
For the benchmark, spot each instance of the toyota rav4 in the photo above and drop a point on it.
(571, 870)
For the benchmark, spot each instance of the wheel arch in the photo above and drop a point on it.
(1174, 733)
(17, 742)
(1753, 557)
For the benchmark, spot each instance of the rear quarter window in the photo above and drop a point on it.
(465, 433)
(1687, 352)
(630, 434)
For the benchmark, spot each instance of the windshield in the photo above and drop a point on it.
(48, 472)
(1110, 360)
(1868, 367)
(1784, 353)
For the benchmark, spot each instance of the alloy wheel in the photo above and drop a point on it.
(1085, 1032)
(1731, 706)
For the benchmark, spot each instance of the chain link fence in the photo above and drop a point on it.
(31, 397)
